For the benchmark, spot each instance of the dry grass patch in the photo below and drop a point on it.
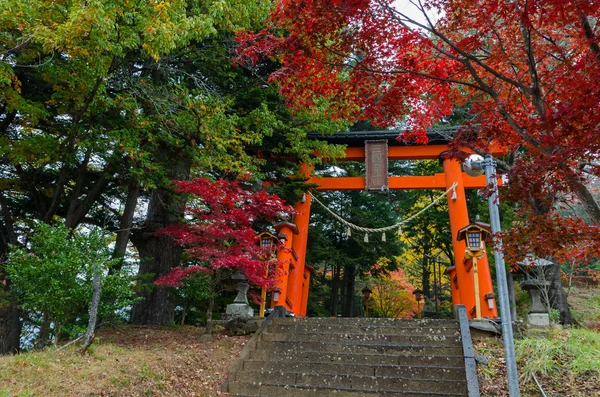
(130, 361)
(565, 362)
(585, 305)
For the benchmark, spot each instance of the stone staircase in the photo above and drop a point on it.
(350, 357)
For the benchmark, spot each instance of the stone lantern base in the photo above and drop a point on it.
(538, 320)
(238, 310)
(240, 307)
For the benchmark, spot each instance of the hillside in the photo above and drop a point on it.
(169, 361)
(128, 361)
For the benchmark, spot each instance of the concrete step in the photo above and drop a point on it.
(369, 383)
(439, 339)
(301, 355)
(371, 322)
(361, 348)
(353, 357)
(267, 390)
(400, 371)
(448, 329)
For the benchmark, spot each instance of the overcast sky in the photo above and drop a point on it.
(406, 7)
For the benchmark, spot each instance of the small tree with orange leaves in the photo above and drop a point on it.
(392, 296)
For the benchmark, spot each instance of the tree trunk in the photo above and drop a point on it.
(587, 199)
(10, 324)
(209, 313)
(91, 328)
(558, 296)
(133, 193)
(44, 334)
(159, 254)
(335, 291)
(425, 275)
(349, 284)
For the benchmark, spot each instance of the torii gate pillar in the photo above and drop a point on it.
(296, 277)
(293, 276)
(459, 218)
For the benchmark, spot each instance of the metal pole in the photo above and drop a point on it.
(507, 331)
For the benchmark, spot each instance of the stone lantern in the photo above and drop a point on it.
(536, 284)
(240, 308)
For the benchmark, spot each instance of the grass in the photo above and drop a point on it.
(586, 306)
(565, 361)
(133, 361)
(575, 352)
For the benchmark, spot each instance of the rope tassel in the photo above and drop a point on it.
(349, 231)
(383, 237)
(400, 230)
(366, 238)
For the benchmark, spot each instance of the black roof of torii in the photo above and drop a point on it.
(437, 136)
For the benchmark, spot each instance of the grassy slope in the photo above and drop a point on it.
(130, 361)
(156, 361)
(566, 362)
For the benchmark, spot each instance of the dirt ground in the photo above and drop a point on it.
(128, 361)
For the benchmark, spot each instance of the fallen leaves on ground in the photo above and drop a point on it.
(126, 361)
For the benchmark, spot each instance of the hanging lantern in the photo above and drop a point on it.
(474, 235)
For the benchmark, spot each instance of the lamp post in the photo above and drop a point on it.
(268, 243)
(474, 234)
(418, 296)
(366, 297)
(474, 166)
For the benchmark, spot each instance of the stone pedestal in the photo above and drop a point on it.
(240, 307)
(238, 310)
(538, 313)
(538, 320)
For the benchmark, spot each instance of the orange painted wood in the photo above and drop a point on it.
(285, 259)
(485, 286)
(459, 218)
(451, 272)
(305, 289)
(399, 152)
(424, 152)
(296, 276)
(437, 181)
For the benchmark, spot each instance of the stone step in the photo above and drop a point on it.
(448, 329)
(353, 357)
(360, 348)
(372, 322)
(369, 383)
(357, 358)
(383, 370)
(439, 339)
(266, 390)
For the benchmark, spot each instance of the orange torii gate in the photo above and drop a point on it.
(292, 286)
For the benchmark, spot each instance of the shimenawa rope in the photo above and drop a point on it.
(398, 225)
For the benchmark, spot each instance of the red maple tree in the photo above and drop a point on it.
(218, 236)
(527, 70)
